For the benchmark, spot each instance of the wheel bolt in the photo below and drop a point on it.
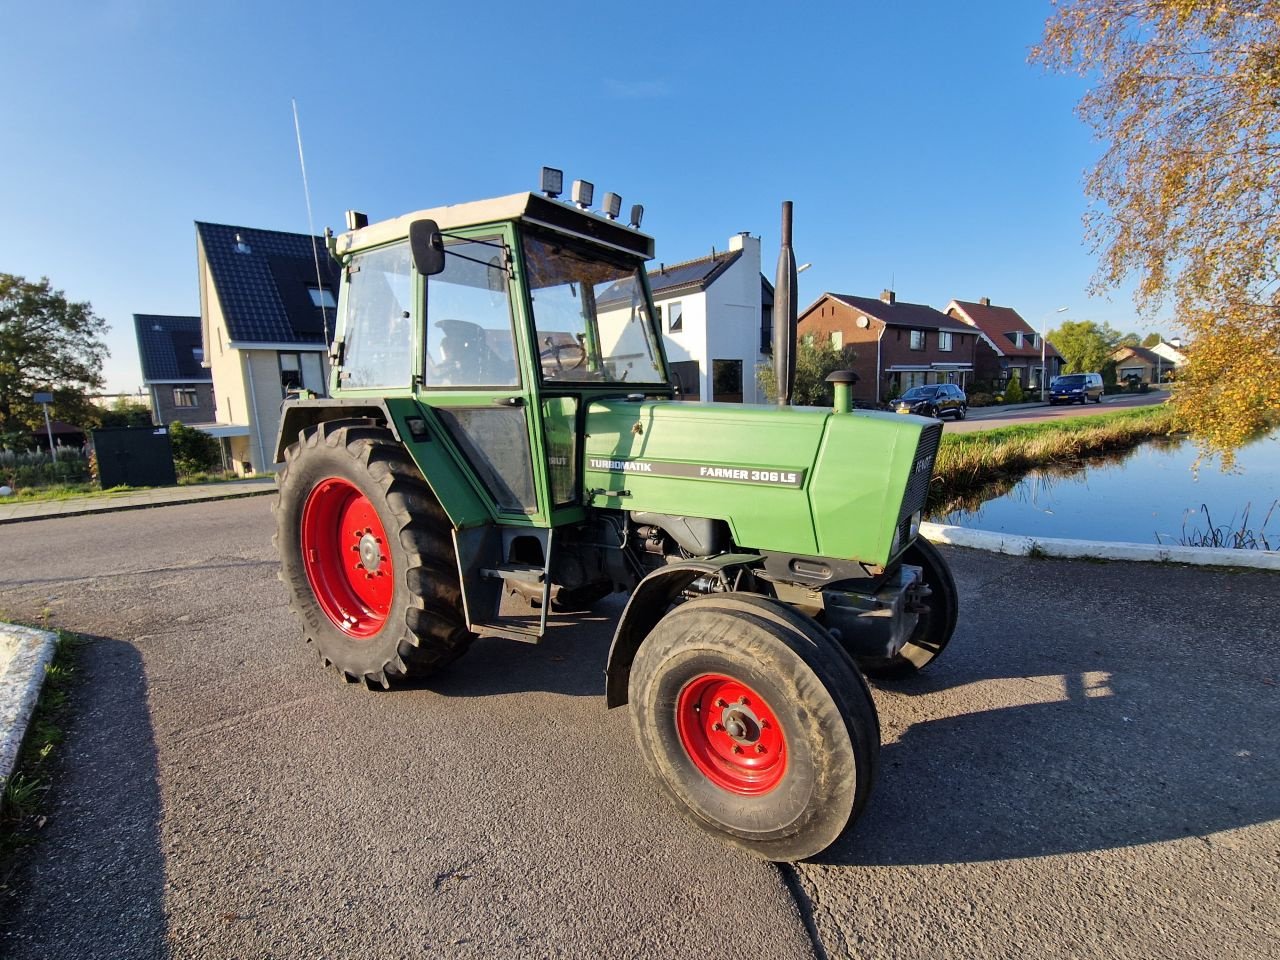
(720, 702)
(717, 725)
(736, 748)
(759, 748)
(743, 701)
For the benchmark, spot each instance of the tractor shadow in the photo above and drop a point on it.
(570, 659)
(92, 884)
(1124, 758)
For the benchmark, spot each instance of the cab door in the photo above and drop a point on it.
(471, 377)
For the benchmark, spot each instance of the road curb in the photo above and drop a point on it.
(120, 508)
(1020, 546)
(20, 682)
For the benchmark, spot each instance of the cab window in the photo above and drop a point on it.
(469, 329)
(378, 330)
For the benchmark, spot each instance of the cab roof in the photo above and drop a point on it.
(526, 207)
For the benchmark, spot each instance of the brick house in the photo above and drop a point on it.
(172, 357)
(899, 345)
(1007, 345)
(1148, 364)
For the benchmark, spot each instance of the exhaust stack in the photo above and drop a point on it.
(784, 313)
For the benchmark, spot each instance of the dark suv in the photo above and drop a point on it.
(1076, 388)
(933, 400)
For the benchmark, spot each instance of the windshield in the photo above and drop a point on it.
(920, 393)
(1069, 382)
(590, 313)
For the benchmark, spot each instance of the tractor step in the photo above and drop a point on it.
(485, 573)
(526, 572)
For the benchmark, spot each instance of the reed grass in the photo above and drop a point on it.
(967, 461)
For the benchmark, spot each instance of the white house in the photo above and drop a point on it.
(716, 316)
(265, 323)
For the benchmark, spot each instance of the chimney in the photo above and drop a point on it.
(889, 297)
(750, 247)
(985, 301)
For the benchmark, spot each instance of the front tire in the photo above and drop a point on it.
(936, 625)
(754, 721)
(367, 555)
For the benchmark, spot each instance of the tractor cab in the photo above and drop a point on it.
(503, 317)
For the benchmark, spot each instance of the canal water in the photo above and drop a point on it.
(1148, 495)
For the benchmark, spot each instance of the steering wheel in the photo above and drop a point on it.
(554, 350)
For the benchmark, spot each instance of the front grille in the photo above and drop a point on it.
(917, 491)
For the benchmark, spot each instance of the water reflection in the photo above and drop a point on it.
(1148, 494)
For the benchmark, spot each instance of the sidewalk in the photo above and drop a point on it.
(134, 499)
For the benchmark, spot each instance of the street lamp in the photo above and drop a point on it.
(1044, 369)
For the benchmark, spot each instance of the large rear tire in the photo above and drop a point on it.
(367, 556)
(936, 625)
(757, 723)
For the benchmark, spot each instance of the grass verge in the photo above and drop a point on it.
(76, 491)
(969, 461)
(22, 805)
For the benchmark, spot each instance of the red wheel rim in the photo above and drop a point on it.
(731, 735)
(348, 563)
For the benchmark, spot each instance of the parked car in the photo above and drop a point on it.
(933, 400)
(1075, 388)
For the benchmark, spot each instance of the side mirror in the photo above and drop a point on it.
(427, 247)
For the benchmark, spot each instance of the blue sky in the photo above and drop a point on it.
(917, 143)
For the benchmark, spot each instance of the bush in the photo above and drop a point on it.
(981, 399)
(194, 451)
(38, 469)
(1013, 392)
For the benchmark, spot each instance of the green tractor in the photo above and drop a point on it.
(502, 444)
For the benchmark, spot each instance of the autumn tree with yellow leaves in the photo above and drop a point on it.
(1185, 199)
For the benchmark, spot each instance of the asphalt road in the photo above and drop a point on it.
(1090, 771)
(987, 418)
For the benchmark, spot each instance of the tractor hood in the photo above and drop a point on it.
(796, 480)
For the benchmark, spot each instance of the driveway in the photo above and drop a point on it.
(1090, 771)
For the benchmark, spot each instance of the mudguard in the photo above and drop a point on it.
(649, 603)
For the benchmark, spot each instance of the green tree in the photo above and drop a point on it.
(126, 413)
(814, 362)
(1013, 390)
(1151, 339)
(1185, 96)
(47, 343)
(1084, 345)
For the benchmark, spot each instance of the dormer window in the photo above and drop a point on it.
(322, 297)
(1014, 337)
(241, 246)
(197, 354)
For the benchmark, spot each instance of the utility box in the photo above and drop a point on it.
(134, 457)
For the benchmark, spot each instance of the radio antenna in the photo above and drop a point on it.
(311, 226)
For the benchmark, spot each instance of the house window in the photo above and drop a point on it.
(301, 371)
(686, 375)
(322, 297)
(290, 372)
(726, 381)
(197, 354)
(1014, 337)
(837, 339)
(675, 317)
(944, 340)
(917, 339)
(185, 397)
